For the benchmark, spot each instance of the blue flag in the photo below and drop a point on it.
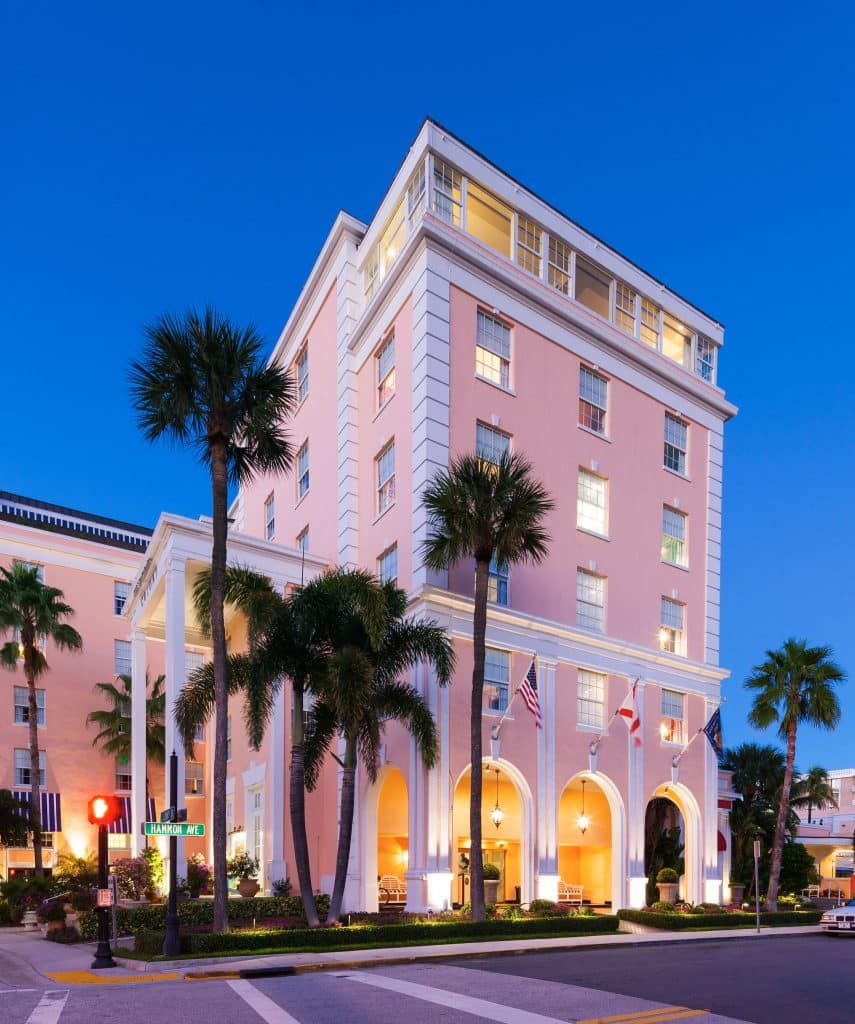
(712, 731)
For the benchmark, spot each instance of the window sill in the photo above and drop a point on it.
(680, 476)
(594, 433)
(498, 387)
(593, 533)
(593, 729)
(380, 515)
(301, 499)
(383, 406)
(671, 745)
(675, 565)
(591, 630)
(490, 713)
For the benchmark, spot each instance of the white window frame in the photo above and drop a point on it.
(270, 516)
(675, 456)
(672, 626)
(445, 181)
(123, 779)
(493, 350)
(40, 569)
(122, 657)
(705, 358)
(592, 514)
(302, 363)
(303, 540)
(303, 470)
(121, 593)
(387, 565)
(590, 699)
(23, 763)
(384, 472)
(499, 583)
(529, 244)
(593, 401)
(559, 269)
(488, 441)
(21, 702)
(675, 536)
(194, 778)
(385, 370)
(497, 680)
(672, 725)
(590, 600)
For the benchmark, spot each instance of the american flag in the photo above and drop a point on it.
(528, 692)
(629, 713)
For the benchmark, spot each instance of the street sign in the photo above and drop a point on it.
(167, 814)
(166, 828)
(105, 898)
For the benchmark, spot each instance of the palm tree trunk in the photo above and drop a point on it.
(479, 632)
(781, 823)
(35, 760)
(219, 488)
(345, 828)
(297, 809)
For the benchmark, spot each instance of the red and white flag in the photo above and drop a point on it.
(528, 692)
(629, 713)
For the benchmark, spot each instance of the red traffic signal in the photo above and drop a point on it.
(104, 810)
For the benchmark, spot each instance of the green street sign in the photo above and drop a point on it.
(169, 828)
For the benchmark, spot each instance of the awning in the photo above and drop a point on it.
(722, 843)
(50, 807)
(122, 824)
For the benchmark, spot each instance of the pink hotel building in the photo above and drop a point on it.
(470, 314)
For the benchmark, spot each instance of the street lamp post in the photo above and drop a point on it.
(757, 836)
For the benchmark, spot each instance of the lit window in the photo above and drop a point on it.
(529, 242)
(590, 699)
(491, 444)
(649, 331)
(199, 734)
(446, 192)
(387, 565)
(671, 724)
(416, 196)
(593, 395)
(590, 600)
(625, 301)
(121, 593)
(117, 841)
(558, 270)
(705, 360)
(676, 341)
(672, 635)
(303, 470)
(269, 517)
(488, 219)
(303, 373)
(385, 462)
(194, 778)
(676, 444)
(122, 657)
(392, 239)
(385, 359)
(497, 582)
(22, 705)
(303, 539)
(497, 675)
(123, 774)
(493, 350)
(23, 771)
(592, 503)
(593, 288)
(674, 536)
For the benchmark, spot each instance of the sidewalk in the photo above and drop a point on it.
(71, 964)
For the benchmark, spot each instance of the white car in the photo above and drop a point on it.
(841, 919)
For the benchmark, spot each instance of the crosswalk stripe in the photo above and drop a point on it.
(269, 1011)
(49, 1008)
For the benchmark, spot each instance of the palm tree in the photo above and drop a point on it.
(114, 721)
(813, 790)
(361, 691)
(34, 611)
(202, 382)
(758, 778)
(483, 511)
(794, 685)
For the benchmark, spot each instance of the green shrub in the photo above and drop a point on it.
(55, 912)
(699, 909)
(82, 900)
(281, 887)
(542, 907)
(491, 871)
(668, 876)
(154, 857)
(5, 913)
(663, 907)
(133, 877)
(738, 919)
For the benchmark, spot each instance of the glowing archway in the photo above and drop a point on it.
(684, 800)
(385, 843)
(609, 843)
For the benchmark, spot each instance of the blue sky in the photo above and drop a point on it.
(160, 155)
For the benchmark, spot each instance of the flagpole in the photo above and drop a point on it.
(678, 757)
(594, 745)
(494, 732)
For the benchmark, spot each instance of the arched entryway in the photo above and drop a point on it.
(509, 844)
(386, 839)
(591, 839)
(672, 838)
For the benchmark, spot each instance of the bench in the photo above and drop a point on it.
(568, 893)
(392, 889)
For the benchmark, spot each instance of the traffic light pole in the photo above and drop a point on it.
(171, 940)
(103, 954)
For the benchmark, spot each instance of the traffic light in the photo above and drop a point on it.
(104, 810)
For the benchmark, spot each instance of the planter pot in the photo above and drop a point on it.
(71, 919)
(54, 926)
(668, 891)
(248, 888)
(29, 920)
(737, 893)
(491, 890)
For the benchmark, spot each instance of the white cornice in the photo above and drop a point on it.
(29, 543)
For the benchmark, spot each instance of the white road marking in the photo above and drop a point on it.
(49, 1009)
(466, 1004)
(269, 1011)
(6, 991)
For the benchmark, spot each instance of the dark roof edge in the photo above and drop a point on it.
(47, 506)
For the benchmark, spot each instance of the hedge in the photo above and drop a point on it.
(361, 935)
(677, 922)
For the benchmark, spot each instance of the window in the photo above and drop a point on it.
(121, 593)
(592, 287)
(488, 219)
(674, 536)
(416, 196)
(303, 373)
(497, 675)
(269, 516)
(40, 569)
(590, 600)
(22, 705)
(228, 737)
(671, 724)
(558, 270)
(385, 477)
(590, 699)
(625, 302)
(193, 660)
(497, 582)
(230, 814)
(123, 773)
(528, 245)
(23, 770)
(387, 565)
(672, 629)
(303, 539)
(493, 350)
(303, 470)
(676, 341)
(491, 444)
(122, 657)
(676, 444)
(194, 778)
(117, 841)
(385, 371)
(705, 360)
(446, 192)
(649, 331)
(593, 397)
(592, 503)
(199, 734)
(392, 240)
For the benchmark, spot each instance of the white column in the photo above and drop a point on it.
(353, 892)
(430, 875)
(175, 678)
(547, 807)
(139, 811)
(636, 808)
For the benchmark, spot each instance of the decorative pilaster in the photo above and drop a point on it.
(713, 881)
(275, 797)
(547, 806)
(139, 811)
(636, 808)
(176, 676)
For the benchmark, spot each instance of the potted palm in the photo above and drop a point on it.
(667, 882)
(491, 883)
(244, 869)
(737, 892)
